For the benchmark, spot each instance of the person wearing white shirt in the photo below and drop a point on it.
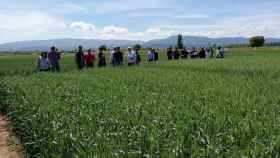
(131, 57)
(43, 63)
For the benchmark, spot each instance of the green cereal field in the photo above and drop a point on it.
(194, 108)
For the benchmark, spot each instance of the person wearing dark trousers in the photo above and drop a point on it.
(79, 58)
(138, 57)
(169, 53)
(89, 59)
(117, 57)
(155, 55)
(176, 54)
(54, 58)
(101, 58)
(202, 53)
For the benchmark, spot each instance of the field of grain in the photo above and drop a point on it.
(186, 108)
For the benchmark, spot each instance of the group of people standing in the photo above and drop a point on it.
(49, 61)
(195, 53)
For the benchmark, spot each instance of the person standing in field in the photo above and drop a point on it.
(112, 52)
(151, 55)
(155, 55)
(176, 54)
(89, 58)
(220, 53)
(202, 53)
(211, 52)
(131, 57)
(138, 57)
(79, 58)
(101, 58)
(43, 63)
(54, 58)
(117, 57)
(169, 53)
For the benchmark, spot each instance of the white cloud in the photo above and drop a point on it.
(114, 30)
(28, 25)
(153, 31)
(37, 25)
(247, 26)
(83, 26)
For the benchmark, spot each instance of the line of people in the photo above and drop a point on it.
(50, 61)
(194, 53)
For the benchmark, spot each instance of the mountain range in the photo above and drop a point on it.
(70, 44)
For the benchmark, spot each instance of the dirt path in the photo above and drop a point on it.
(7, 150)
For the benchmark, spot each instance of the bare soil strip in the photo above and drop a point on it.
(8, 147)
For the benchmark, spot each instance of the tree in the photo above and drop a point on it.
(103, 47)
(257, 41)
(180, 44)
(137, 46)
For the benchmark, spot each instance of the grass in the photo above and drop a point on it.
(186, 108)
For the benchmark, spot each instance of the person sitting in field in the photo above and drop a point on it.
(43, 63)
(138, 57)
(101, 58)
(131, 57)
(54, 57)
(184, 53)
(202, 53)
(79, 58)
(155, 55)
(169, 53)
(151, 56)
(117, 57)
(176, 54)
(89, 59)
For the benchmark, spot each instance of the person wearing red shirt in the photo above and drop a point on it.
(89, 59)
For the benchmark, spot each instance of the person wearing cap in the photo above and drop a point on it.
(101, 58)
(89, 59)
(43, 63)
(131, 57)
(54, 58)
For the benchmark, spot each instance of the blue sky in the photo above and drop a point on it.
(138, 20)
